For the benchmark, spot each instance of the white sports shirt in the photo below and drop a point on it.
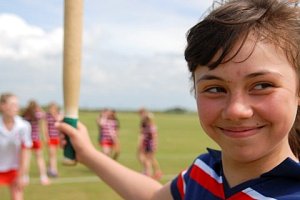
(11, 142)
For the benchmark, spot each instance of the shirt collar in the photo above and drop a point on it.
(287, 168)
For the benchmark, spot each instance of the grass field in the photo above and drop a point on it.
(180, 141)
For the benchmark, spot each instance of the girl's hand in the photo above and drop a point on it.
(79, 138)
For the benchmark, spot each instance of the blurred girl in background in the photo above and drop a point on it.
(15, 142)
(35, 116)
(148, 145)
(52, 135)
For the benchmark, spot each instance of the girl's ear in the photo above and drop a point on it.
(298, 95)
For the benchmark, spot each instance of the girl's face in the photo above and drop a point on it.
(11, 107)
(248, 105)
(53, 109)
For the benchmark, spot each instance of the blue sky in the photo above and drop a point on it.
(132, 52)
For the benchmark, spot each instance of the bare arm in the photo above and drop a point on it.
(126, 182)
(23, 166)
(45, 129)
(24, 158)
(43, 124)
(98, 120)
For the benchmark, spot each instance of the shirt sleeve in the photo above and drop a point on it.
(178, 187)
(26, 135)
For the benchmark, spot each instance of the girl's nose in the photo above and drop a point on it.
(237, 107)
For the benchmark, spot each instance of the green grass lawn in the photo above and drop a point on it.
(180, 141)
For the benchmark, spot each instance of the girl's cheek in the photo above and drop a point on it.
(206, 110)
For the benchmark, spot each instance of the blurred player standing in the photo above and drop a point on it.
(15, 142)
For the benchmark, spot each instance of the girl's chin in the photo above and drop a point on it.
(242, 154)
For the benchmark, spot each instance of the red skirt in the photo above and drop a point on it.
(7, 178)
(53, 142)
(36, 145)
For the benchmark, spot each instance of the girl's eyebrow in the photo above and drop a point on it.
(262, 73)
(251, 75)
(207, 77)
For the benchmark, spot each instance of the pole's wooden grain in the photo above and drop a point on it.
(73, 12)
(72, 56)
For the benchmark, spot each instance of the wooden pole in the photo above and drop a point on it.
(73, 12)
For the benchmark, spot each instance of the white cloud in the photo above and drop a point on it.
(30, 58)
(21, 41)
(132, 55)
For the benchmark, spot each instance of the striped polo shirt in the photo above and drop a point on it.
(204, 180)
(108, 130)
(52, 131)
(35, 126)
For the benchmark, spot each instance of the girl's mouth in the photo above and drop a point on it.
(240, 132)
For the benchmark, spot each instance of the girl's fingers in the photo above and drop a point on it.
(81, 127)
(65, 128)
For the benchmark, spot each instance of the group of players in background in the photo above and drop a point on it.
(23, 132)
(19, 135)
(109, 125)
(43, 122)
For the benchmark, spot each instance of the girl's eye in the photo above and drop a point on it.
(215, 90)
(261, 86)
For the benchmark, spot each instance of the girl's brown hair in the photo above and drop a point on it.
(295, 135)
(30, 111)
(274, 21)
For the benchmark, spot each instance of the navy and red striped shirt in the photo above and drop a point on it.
(204, 180)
